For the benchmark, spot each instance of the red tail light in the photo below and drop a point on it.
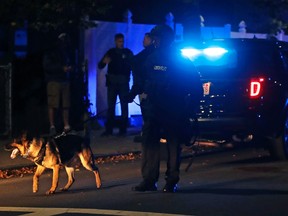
(256, 87)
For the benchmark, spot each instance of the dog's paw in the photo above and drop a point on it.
(63, 189)
(35, 189)
(49, 192)
(98, 179)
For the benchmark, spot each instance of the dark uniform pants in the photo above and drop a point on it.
(113, 91)
(152, 132)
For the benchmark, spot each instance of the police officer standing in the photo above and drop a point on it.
(139, 75)
(117, 82)
(171, 79)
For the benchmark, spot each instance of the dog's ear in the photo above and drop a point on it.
(24, 136)
(14, 143)
(21, 146)
(37, 142)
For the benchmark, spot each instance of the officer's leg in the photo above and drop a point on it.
(143, 107)
(150, 157)
(53, 96)
(66, 105)
(151, 146)
(123, 92)
(173, 162)
(111, 97)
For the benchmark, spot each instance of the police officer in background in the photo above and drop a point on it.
(172, 85)
(117, 82)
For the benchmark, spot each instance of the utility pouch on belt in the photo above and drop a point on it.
(116, 79)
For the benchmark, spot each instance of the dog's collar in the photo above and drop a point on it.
(26, 154)
(39, 158)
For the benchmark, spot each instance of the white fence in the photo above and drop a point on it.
(225, 32)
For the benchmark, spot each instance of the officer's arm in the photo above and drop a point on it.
(105, 60)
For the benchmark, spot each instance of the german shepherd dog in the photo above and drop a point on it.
(52, 152)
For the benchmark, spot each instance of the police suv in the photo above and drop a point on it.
(245, 91)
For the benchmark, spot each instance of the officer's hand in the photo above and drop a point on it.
(106, 60)
(143, 96)
(67, 68)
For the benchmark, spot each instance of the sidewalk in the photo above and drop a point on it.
(101, 146)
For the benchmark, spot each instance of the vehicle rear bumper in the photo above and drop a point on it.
(228, 126)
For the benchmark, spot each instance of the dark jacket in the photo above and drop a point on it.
(170, 80)
(120, 61)
(138, 71)
(54, 61)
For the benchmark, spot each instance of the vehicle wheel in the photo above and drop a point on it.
(278, 146)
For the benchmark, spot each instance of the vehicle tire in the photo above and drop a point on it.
(278, 146)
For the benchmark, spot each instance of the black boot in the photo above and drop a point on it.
(170, 188)
(145, 186)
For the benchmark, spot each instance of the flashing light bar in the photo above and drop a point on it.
(214, 52)
(211, 52)
(191, 53)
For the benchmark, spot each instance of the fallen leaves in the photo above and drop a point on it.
(117, 158)
(20, 172)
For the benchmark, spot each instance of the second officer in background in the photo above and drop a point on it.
(118, 60)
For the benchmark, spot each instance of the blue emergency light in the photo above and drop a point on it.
(190, 53)
(212, 56)
(213, 52)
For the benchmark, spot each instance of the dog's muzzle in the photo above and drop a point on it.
(14, 153)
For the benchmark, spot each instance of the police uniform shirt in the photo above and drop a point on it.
(120, 61)
(170, 78)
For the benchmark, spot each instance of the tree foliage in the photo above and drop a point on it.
(277, 12)
(45, 15)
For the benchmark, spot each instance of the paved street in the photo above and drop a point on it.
(234, 182)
